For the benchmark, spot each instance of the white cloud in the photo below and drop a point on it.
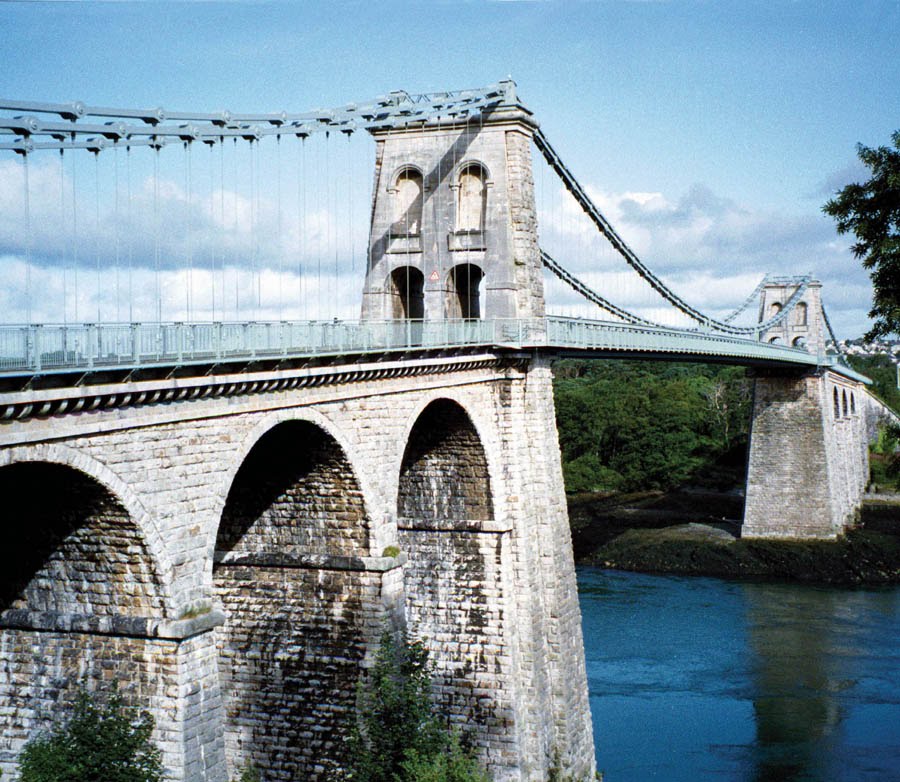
(219, 253)
(710, 250)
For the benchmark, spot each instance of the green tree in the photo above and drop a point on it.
(452, 764)
(101, 742)
(397, 738)
(871, 211)
(626, 426)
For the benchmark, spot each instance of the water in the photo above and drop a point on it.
(698, 678)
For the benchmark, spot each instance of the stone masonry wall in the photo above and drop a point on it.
(458, 585)
(444, 474)
(71, 547)
(551, 652)
(172, 465)
(292, 652)
(297, 631)
(526, 254)
(295, 493)
(808, 464)
(40, 673)
(458, 579)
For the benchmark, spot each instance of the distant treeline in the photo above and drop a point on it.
(883, 372)
(637, 425)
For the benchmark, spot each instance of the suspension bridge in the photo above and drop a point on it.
(95, 246)
(236, 471)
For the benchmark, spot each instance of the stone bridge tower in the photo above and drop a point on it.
(804, 326)
(808, 461)
(453, 229)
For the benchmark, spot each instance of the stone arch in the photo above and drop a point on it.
(464, 291)
(301, 604)
(120, 536)
(295, 471)
(845, 408)
(408, 189)
(852, 403)
(482, 424)
(407, 288)
(444, 472)
(799, 342)
(837, 403)
(471, 197)
(264, 425)
(801, 314)
(774, 308)
(81, 591)
(776, 340)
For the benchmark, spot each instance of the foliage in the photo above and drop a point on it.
(397, 738)
(249, 773)
(883, 372)
(452, 764)
(871, 211)
(101, 741)
(626, 426)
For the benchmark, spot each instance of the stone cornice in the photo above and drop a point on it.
(113, 624)
(56, 402)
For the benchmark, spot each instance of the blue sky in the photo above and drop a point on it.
(732, 120)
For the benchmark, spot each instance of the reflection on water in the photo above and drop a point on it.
(695, 678)
(795, 710)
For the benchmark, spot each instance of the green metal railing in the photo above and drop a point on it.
(41, 349)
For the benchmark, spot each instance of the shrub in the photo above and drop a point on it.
(397, 738)
(101, 741)
(451, 764)
(249, 773)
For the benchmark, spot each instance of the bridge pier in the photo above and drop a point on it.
(230, 556)
(808, 461)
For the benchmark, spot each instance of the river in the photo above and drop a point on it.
(704, 679)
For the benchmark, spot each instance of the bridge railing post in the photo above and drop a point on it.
(135, 336)
(36, 347)
(180, 340)
(246, 339)
(90, 343)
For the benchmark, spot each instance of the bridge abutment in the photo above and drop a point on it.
(808, 459)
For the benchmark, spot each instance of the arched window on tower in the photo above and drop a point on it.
(774, 309)
(471, 204)
(845, 403)
(801, 314)
(837, 404)
(407, 192)
(852, 403)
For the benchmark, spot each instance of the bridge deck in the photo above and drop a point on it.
(29, 351)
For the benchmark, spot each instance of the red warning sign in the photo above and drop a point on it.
(434, 276)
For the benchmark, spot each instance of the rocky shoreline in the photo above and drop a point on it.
(698, 533)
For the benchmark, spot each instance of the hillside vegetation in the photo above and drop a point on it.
(635, 425)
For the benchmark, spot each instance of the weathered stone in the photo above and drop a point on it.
(809, 462)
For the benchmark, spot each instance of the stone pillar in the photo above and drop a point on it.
(807, 466)
(166, 667)
(554, 680)
(455, 199)
(491, 579)
(300, 631)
